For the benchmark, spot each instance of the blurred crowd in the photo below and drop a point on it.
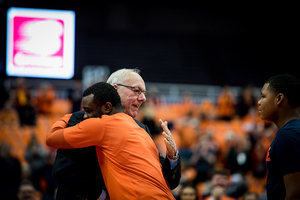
(226, 135)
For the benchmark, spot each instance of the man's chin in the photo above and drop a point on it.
(132, 114)
(261, 116)
(264, 118)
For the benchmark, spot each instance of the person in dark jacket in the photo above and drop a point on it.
(77, 170)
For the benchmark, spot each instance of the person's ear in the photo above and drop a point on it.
(279, 98)
(107, 108)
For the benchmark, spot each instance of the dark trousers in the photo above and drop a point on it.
(64, 194)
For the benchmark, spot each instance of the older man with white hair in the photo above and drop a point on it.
(77, 170)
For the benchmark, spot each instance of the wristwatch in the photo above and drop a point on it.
(174, 157)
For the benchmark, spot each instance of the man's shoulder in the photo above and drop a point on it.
(143, 126)
(76, 117)
(78, 113)
(289, 130)
(293, 124)
(140, 124)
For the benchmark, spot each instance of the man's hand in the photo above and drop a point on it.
(217, 192)
(168, 139)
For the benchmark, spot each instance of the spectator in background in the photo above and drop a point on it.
(153, 96)
(4, 94)
(258, 157)
(45, 98)
(246, 101)
(238, 158)
(21, 96)
(204, 158)
(219, 185)
(188, 192)
(27, 112)
(239, 163)
(75, 95)
(23, 103)
(206, 110)
(35, 154)
(250, 196)
(26, 191)
(43, 180)
(9, 116)
(10, 173)
(25, 171)
(187, 130)
(226, 104)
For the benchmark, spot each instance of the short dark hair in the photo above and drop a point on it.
(221, 171)
(104, 92)
(288, 85)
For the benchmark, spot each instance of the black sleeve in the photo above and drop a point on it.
(77, 170)
(172, 175)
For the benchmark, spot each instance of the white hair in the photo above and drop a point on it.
(120, 75)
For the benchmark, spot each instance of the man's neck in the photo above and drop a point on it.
(115, 110)
(287, 116)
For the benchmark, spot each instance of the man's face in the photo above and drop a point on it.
(266, 104)
(219, 180)
(26, 192)
(90, 108)
(188, 193)
(130, 100)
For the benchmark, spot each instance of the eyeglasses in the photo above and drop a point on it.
(136, 90)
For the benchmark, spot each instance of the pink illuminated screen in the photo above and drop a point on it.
(40, 43)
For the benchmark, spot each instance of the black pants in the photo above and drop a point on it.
(64, 194)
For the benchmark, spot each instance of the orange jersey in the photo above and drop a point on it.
(127, 155)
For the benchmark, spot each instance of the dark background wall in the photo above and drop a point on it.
(183, 42)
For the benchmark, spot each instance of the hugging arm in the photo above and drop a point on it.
(85, 134)
(77, 170)
(55, 138)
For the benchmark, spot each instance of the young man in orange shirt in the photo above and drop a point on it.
(127, 155)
